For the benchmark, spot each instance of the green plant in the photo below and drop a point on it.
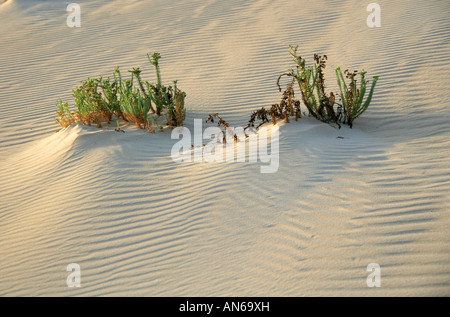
(81, 95)
(159, 93)
(179, 111)
(135, 107)
(134, 103)
(154, 60)
(136, 73)
(90, 104)
(110, 94)
(97, 99)
(170, 99)
(352, 97)
(320, 105)
(65, 117)
(311, 82)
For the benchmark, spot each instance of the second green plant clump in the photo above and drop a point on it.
(320, 104)
(99, 100)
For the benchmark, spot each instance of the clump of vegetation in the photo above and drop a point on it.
(99, 100)
(65, 117)
(352, 97)
(134, 103)
(311, 82)
(91, 106)
(320, 104)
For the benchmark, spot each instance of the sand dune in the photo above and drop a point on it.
(140, 224)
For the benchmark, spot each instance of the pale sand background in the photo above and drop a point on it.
(139, 224)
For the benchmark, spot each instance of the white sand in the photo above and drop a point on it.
(139, 224)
